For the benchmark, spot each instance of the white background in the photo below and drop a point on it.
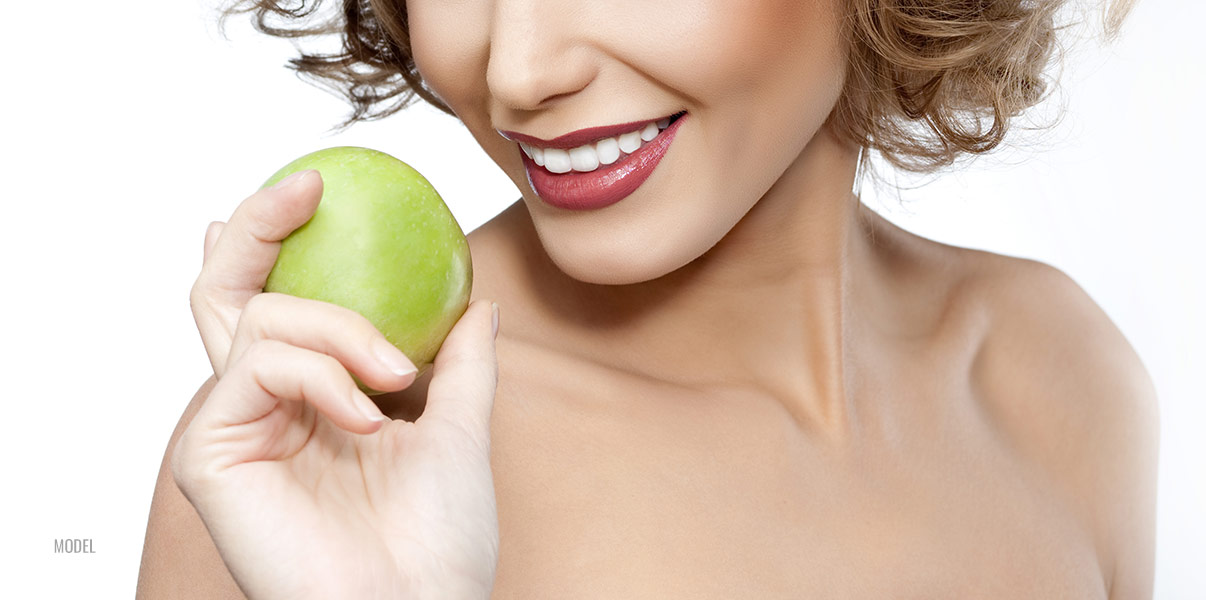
(129, 126)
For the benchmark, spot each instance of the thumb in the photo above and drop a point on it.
(465, 374)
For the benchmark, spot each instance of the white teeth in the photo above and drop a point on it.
(588, 157)
(649, 132)
(557, 160)
(584, 159)
(608, 150)
(629, 142)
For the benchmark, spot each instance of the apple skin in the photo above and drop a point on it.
(382, 243)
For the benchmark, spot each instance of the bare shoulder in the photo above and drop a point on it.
(1047, 346)
(1067, 389)
(1060, 385)
(179, 558)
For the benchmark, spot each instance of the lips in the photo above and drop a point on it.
(580, 137)
(605, 185)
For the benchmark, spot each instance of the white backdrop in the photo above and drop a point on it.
(129, 126)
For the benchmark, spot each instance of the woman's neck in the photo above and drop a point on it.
(767, 308)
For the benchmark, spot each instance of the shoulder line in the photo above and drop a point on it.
(1070, 393)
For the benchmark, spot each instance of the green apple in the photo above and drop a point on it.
(382, 243)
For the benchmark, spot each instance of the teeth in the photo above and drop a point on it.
(608, 150)
(629, 142)
(584, 158)
(557, 160)
(588, 157)
(649, 132)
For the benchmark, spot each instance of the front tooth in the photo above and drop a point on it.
(649, 132)
(537, 155)
(608, 150)
(557, 160)
(584, 159)
(663, 123)
(629, 142)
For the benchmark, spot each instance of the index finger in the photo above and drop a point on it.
(246, 250)
(248, 246)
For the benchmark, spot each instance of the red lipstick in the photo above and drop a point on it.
(577, 138)
(605, 185)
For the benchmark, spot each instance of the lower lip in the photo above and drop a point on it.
(606, 185)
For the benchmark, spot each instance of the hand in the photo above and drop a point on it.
(305, 487)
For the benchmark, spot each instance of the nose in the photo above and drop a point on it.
(537, 53)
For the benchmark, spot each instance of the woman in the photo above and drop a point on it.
(720, 375)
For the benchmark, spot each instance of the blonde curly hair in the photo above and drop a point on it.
(928, 81)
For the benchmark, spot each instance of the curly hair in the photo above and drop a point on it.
(927, 81)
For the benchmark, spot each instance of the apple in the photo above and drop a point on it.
(382, 243)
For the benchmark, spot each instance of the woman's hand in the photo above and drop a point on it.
(306, 488)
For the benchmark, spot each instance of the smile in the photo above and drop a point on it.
(605, 151)
(599, 173)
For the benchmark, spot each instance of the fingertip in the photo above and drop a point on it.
(309, 178)
(368, 409)
(375, 424)
(292, 179)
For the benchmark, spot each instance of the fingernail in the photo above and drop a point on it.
(494, 308)
(393, 358)
(368, 408)
(290, 180)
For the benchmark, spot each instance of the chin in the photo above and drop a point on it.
(608, 272)
(605, 258)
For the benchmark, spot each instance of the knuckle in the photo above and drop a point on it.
(347, 319)
(262, 350)
(261, 216)
(344, 325)
(331, 367)
(181, 465)
(198, 296)
(256, 308)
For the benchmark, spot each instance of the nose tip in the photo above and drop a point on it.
(533, 58)
(526, 79)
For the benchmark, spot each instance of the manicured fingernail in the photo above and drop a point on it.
(393, 358)
(368, 408)
(494, 307)
(290, 180)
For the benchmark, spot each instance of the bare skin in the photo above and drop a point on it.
(959, 467)
(994, 436)
(964, 425)
(739, 382)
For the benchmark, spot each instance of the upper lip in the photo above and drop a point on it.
(580, 137)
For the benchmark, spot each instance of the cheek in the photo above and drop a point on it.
(450, 47)
(754, 47)
(765, 75)
(446, 40)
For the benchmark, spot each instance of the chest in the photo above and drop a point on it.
(608, 490)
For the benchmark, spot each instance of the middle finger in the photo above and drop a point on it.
(328, 328)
